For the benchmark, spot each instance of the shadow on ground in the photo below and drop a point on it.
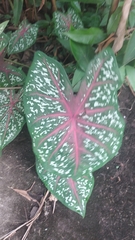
(110, 210)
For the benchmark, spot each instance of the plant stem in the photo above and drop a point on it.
(21, 64)
(10, 88)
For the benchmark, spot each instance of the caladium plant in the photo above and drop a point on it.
(73, 134)
(23, 38)
(63, 22)
(12, 116)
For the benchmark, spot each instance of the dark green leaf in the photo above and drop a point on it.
(86, 36)
(17, 10)
(114, 21)
(77, 79)
(130, 75)
(85, 1)
(82, 53)
(130, 50)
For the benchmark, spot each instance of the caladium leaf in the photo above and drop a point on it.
(23, 38)
(10, 75)
(3, 41)
(11, 114)
(72, 133)
(72, 192)
(63, 22)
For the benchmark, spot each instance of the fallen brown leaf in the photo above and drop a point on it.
(118, 43)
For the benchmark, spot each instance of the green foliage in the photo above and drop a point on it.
(130, 76)
(130, 50)
(17, 10)
(75, 124)
(23, 38)
(82, 53)
(63, 22)
(73, 135)
(86, 36)
(3, 26)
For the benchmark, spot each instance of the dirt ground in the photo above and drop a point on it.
(110, 211)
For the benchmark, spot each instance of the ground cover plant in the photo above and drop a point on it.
(74, 121)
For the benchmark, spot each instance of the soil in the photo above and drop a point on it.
(110, 211)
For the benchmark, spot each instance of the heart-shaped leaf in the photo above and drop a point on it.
(72, 192)
(63, 22)
(70, 131)
(11, 114)
(23, 38)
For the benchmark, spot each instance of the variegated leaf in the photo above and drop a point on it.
(23, 38)
(11, 114)
(72, 192)
(10, 75)
(63, 22)
(3, 41)
(72, 133)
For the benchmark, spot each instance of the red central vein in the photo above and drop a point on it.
(45, 96)
(98, 110)
(63, 140)
(11, 105)
(73, 130)
(53, 115)
(55, 131)
(72, 185)
(96, 125)
(93, 139)
(90, 89)
(57, 86)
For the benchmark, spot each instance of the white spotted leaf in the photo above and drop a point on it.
(12, 116)
(3, 41)
(63, 22)
(23, 38)
(72, 192)
(70, 131)
(11, 105)
(73, 133)
(9, 75)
